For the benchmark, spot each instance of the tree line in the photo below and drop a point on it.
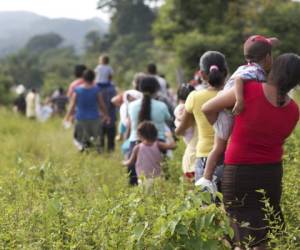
(173, 34)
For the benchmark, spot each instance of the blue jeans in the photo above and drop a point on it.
(200, 166)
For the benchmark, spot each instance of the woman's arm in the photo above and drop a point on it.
(128, 129)
(187, 121)
(212, 107)
(102, 108)
(165, 146)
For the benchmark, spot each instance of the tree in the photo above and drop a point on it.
(6, 83)
(95, 42)
(189, 28)
(23, 68)
(41, 43)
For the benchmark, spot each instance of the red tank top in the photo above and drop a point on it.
(260, 130)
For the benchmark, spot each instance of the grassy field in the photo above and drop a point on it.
(52, 197)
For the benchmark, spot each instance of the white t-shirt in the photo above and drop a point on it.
(103, 73)
(163, 85)
(31, 101)
(178, 113)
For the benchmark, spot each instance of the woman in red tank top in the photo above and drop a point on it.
(253, 159)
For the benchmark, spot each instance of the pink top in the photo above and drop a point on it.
(148, 160)
(76, 83)
(260, 131)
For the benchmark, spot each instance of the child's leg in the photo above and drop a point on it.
(214, 157)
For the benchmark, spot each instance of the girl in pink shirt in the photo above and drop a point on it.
(147, 156)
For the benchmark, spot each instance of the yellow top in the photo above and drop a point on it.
(206, 133)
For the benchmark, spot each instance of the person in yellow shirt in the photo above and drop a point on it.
(213, 67)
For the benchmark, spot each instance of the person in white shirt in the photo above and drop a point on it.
(103, 71)
(151, 70)
(32, 104)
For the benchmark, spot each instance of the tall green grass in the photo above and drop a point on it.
(52, 197)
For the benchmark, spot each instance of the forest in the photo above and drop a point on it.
(173, 35)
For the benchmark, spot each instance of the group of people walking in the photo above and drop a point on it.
(241, 133)
(234, 127)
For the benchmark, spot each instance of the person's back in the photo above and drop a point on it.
(60, 101)
(109, 91)
(31, 105)
(86, 103)
(108, 131)
(205, 131)
(103, 71)
(151, 70)
(20, 104)
(103, 74)
(148, 160)
(159, 116)
(258, 137)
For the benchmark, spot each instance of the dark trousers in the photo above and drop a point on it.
(108, 135)
(85, 130)
(133, 179)
(244, 204)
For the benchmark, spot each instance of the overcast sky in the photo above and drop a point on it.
(78, 9)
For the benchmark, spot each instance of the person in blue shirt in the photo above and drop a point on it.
(108, 130)
(90, 112)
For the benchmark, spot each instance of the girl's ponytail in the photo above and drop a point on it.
(215, 76)
(145, 113)
(214, 65)
(148, 86)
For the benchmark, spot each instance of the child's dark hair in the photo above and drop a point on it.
(214, 64)
(285, 74)
(104, 59)
(184, 90)
(147, 131)
(151, 68)
(148, 86)
(79, 69)
(89, 76)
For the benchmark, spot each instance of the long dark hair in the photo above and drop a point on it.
(148, 86)
(214, 64)
(285, 74)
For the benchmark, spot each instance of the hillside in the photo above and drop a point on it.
(16, 28)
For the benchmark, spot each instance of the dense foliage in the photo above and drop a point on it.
(189, 28)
